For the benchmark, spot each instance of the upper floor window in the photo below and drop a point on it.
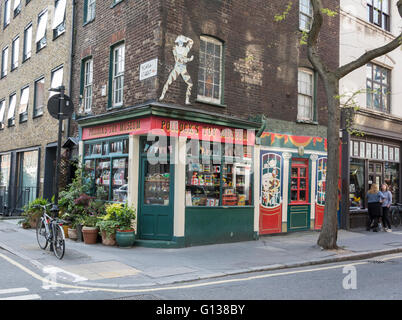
(89, 10)
(378, 13)
(305, 100)
(15, 52)
(59, 24)
(2, 112)
(17, 7)
(87, 89)
(210, 77)
(378, 88)
(118, 57)
(305, 15)
(56, 80)
(23, 111)
(7, 12)
(11, 110)
(39, 97)
(27, 43)
(41, 31)
(4, 62)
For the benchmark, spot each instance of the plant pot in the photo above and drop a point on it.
(79, 233)
(33, 222)
(65, 229)
(108, 240)
(125, 238)
(72, 233)
(90, 235)
(26, 225)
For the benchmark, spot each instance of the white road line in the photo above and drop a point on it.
(27, 297)
(13, 290)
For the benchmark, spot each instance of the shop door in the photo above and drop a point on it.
(299, 204)
(375, 174)
(156, 201)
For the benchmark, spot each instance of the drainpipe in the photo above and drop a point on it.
(71, 62)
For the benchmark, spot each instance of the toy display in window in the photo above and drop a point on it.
(157, 188)
(270, 182)
(321, 180)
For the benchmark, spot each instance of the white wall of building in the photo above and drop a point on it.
(358, 35)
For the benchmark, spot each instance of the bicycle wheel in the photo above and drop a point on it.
(41, 235)
(58, 244)
(395, 217)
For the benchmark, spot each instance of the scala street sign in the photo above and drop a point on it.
(53, 107)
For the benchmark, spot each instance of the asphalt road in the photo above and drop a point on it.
(378, 278)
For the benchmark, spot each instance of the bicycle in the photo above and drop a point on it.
(48, 230)
(396, 214)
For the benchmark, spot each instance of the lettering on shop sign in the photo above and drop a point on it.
(115, 128)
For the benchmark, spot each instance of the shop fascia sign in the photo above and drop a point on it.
(170, 127)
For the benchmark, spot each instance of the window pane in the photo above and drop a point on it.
(57, 80)
(28, 42)
(41, 31)
(24, 100)
(11, 107)
(39, 96)
(59, 13)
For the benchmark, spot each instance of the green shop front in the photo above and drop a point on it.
(189, 175)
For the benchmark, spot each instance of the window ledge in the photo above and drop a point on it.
(115, 4)
(88, 22)
(210, 103)
(59, 35)
(307, 122)
(37, 116)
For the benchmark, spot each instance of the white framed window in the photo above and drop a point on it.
(15, 52)
(59, 25)
(40, 39)
(17, 7)
(305, 100)
(305, 15)
(56, 80)
(39, 97)
(2, 112)
(88, 79)
(27, 42)
(11, 110)
(90, 10)
(118, 75)
(4, 62)
(210, 70)
(23, 110)
(7, 13)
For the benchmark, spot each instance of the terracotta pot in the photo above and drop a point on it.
(108, 240)
(65, 229)
(90, 235)
(72, 233)
(33, 222)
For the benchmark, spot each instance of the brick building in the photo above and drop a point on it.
(35, 44)
(204, 71)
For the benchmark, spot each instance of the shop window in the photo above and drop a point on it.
(4, 171)
(357, 184)
(271, 180)
(299, 182)
(391, 178)
(321, 180)
(218, 176)
(27, 189)
(157, 184)
(106, 165)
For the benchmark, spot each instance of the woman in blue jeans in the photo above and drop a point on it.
(385, 207)
(374, 199)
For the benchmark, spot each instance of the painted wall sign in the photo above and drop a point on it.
(171, 127)
(148, 69)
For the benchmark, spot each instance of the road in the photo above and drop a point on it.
(378, 278)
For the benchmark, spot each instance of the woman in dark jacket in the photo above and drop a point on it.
(374, 199)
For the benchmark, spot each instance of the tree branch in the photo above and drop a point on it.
(367, 57)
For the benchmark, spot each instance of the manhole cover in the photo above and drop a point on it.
(139, 297)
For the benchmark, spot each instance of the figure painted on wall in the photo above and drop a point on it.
(180, 52)
(271, 193)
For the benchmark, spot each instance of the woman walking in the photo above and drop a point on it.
(374, 199)
(385, 207)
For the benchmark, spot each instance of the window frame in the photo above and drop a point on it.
(59, 29)
(312, 75)
(6, 13)
(305, 165)
(38, 110)
(203, 97)
(41, 43)
(305, 14)
(87, 5)
(2, 112)
(17, 10)
(381, 13)
(382, 86)
(23, 116)
(4, 62)
(113, 76)
(15, 55)
(85, 85)
(11, 120)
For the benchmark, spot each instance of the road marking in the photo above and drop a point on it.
(13, 290)
(27, 297)
(193, 285)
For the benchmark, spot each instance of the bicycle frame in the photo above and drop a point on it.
(50, 222)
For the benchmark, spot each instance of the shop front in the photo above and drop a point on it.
(292, 183)
(191, 182)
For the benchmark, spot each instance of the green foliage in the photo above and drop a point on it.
(121, 213)
(30, 210)
(108, 226)
(284, 14)
(329, 12)
(88, 220)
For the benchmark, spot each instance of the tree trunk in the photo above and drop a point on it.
(329, 231)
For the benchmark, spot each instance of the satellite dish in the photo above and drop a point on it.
(53, 107)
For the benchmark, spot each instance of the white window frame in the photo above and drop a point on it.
(27, 50)
(307, 15)
(59, 17)
(301, 114)
(40, 38)
(4, 62)
(17, 7)
(2, 112)
(203, 70)
(56, 80)
(91, 9)
(118, 65)
(7, 13)
(11, 109)
(88, 81)
(15, 50)
(38, 109)
(24, 102)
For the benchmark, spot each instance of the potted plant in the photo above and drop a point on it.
(107, 228)
(89, 229)
(32, 213)
(124, 215)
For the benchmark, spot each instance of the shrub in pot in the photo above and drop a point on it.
(32, 213)
(124, 215)
(89, 229)
(107, 229)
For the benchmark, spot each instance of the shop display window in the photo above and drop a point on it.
(357, 184)
(216, 177)
(391, 172)
(106, 165)
(299, 181)
(321, 180)
(157, 184)
(271, 180)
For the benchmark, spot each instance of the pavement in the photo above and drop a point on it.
(103, 266)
